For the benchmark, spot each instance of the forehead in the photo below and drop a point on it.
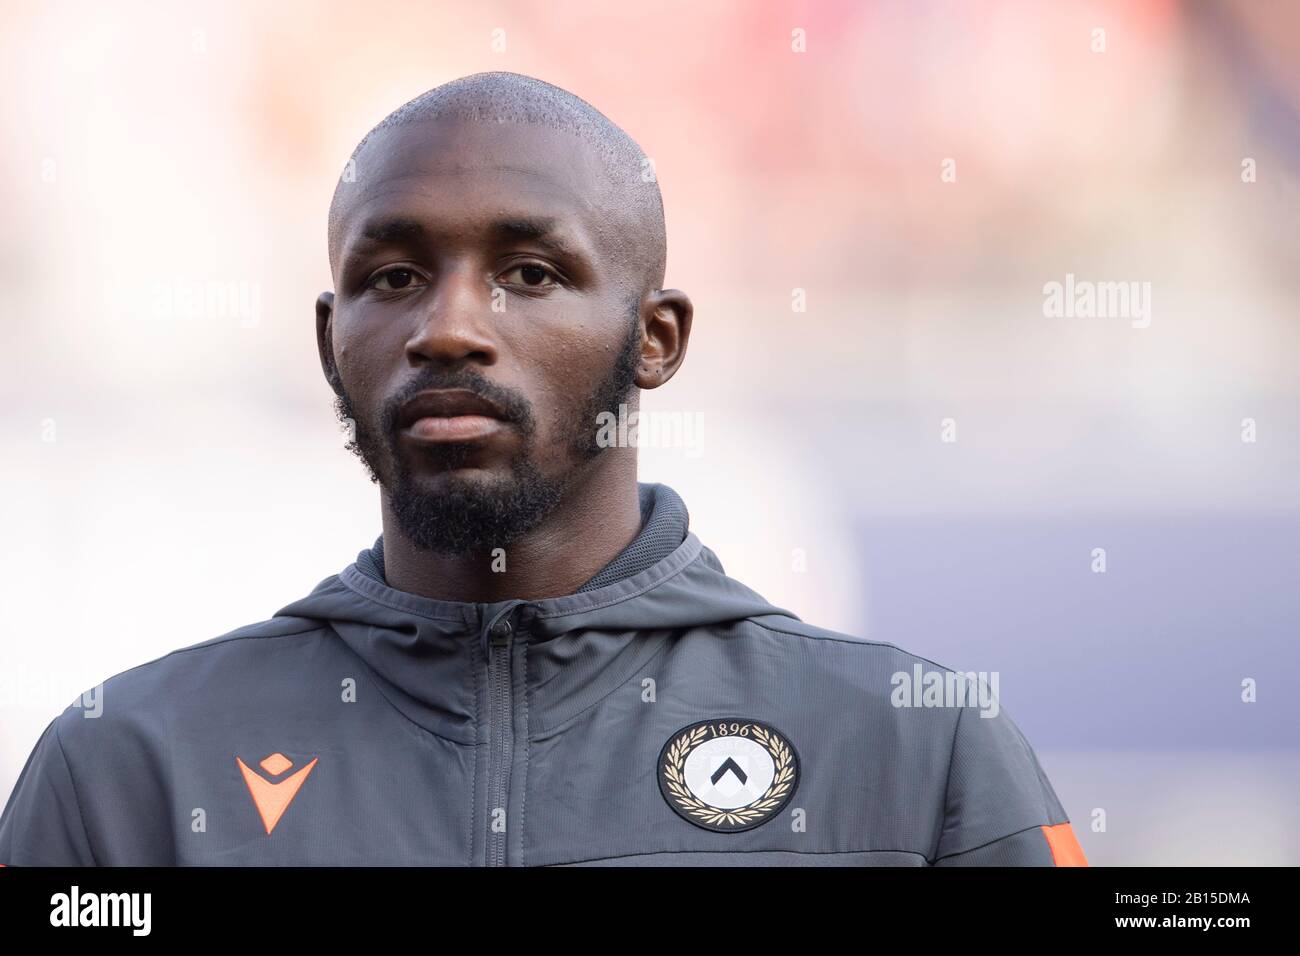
(455, 177)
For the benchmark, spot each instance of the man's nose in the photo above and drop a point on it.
(455, 321)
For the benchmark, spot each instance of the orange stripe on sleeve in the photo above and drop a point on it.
(1064, 845)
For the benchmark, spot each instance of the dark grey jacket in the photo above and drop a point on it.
(673, 717)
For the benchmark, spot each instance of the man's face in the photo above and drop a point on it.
(478, 325)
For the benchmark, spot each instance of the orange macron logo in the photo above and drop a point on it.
(272, 799)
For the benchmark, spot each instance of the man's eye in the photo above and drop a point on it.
(530, 274)
(391, 280)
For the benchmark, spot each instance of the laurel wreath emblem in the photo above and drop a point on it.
(675, 778)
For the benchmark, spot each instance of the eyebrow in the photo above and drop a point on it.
(540, 230)
(392, 230)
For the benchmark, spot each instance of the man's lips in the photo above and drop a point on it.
(455, 428)
(447, 415)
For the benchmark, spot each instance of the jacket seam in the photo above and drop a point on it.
(623, 856)
(377, 680)
(85, 831)
(948, 856)
(622, 597)
(216, 642)
(613, 690)
(395, 606)
(855, 643)
(947, 783)
(821, 637)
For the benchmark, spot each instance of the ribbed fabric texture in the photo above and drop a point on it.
(664, 523)
(663, 528)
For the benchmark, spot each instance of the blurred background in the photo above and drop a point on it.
(865, 201)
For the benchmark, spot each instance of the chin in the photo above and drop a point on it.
(432, 478)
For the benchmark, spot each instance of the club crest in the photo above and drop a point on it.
(728, 774)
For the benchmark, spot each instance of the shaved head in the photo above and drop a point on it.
(497, 249)
(627, 193)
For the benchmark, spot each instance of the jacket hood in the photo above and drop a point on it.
(577, 645)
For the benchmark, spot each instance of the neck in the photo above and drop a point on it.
(598, 517)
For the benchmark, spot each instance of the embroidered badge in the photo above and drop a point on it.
(728, 774)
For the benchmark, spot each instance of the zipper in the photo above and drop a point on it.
(501, 737)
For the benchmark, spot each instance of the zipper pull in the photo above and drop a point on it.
(500, 632)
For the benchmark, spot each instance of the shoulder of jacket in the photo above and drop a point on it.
(812, 636)
(142, 689)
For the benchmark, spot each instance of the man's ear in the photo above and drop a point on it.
(666, 317)
(325, 340)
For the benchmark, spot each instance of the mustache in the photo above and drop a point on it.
(515, 409)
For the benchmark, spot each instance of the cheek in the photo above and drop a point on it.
(361, 354)
(556, 404)
(566, 379)
(347, 358)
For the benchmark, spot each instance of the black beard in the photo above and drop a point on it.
(472, 517)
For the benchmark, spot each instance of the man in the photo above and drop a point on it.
(537, 662)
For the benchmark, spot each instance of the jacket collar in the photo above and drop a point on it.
(430, 659)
